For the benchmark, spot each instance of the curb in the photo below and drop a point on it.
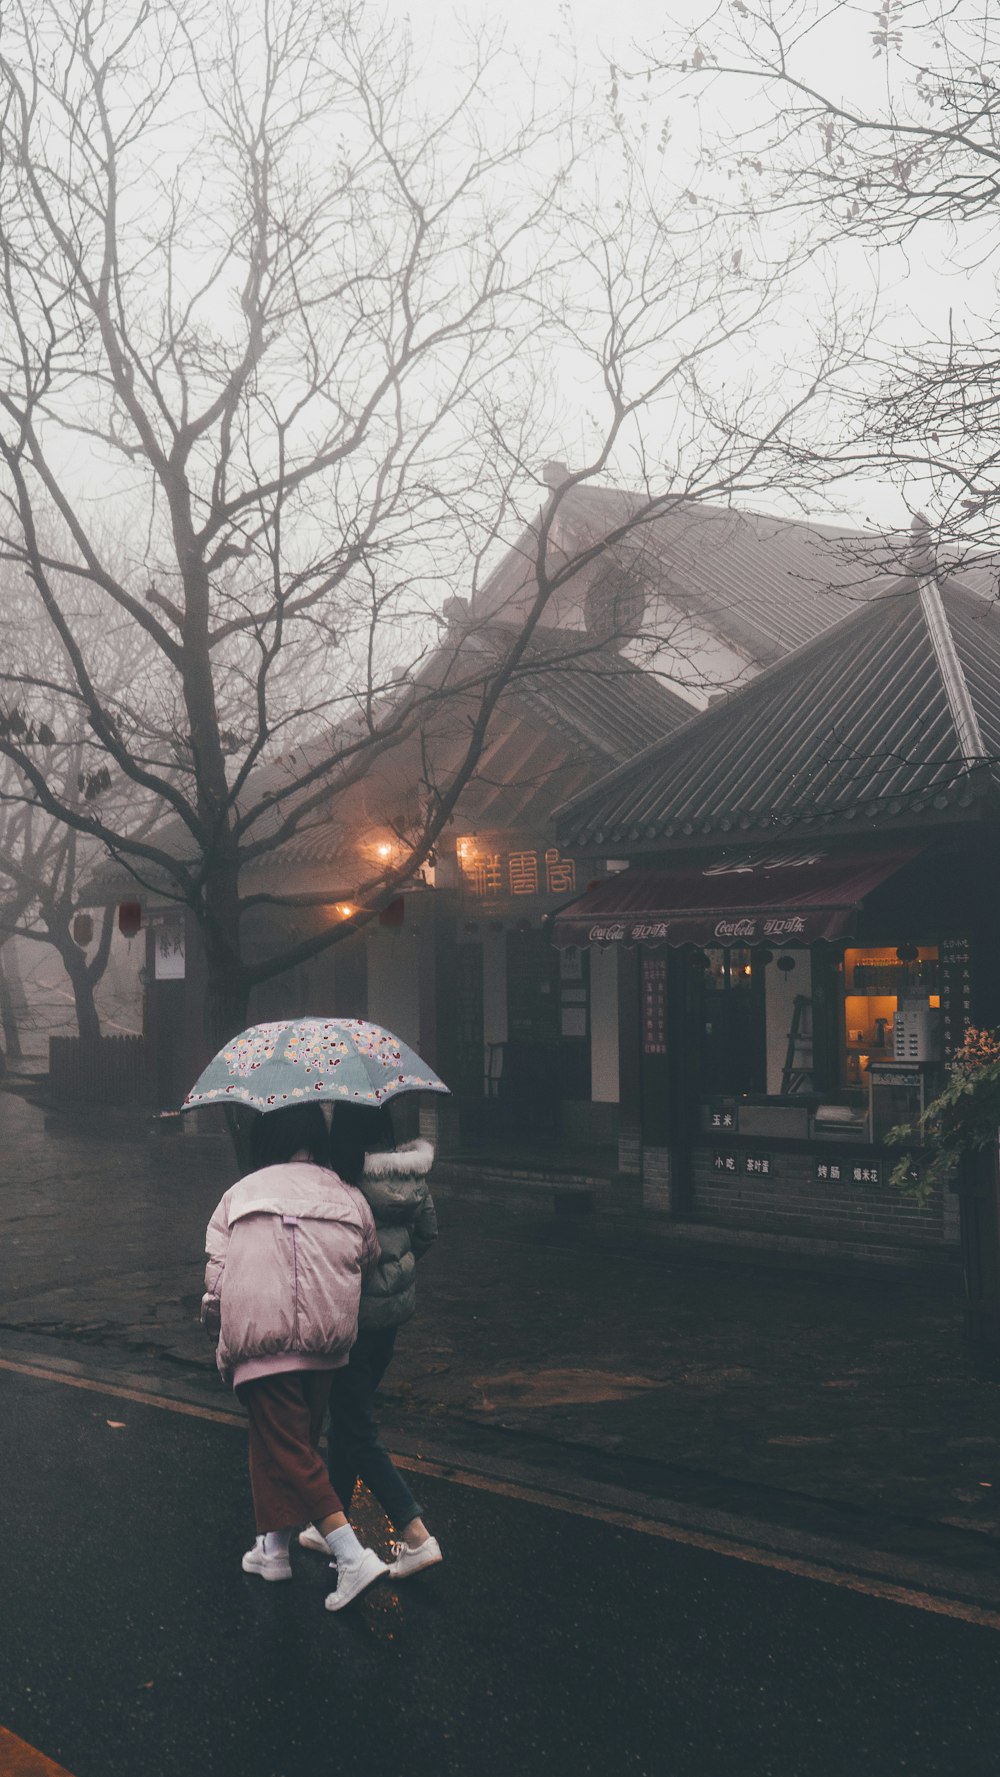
(562, 1463)
(580, 1207)
(648, 1235)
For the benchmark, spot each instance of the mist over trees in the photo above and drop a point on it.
(290, 321)
(43, 862)
(887, 148)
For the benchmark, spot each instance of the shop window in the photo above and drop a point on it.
(877, 982)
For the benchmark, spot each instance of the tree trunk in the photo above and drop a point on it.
(8, 1016)
(227, 993)
(227, 996)
(87, 1021)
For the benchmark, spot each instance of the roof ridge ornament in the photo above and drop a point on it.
(555, 474)
(956, 687)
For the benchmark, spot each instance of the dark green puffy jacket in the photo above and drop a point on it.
(395, 1185)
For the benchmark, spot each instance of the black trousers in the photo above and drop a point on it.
(354, 1447)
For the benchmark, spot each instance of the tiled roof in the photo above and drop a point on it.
(856, 728)
(765, 584)
(574, 709)
(589, 693)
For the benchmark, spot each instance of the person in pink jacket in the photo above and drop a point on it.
(288, 1249)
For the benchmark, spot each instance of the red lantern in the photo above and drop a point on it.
(129, 918)
(83, 929)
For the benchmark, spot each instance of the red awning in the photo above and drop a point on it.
(759, 898)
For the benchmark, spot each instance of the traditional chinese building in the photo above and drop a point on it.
(807, 923)
(705, 596)
(463, 966)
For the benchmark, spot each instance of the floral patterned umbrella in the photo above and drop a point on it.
(273, 1065)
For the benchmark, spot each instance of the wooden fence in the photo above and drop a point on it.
(110, 1071)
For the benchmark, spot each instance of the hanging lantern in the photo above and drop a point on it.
(907, 953)
(764, 955)
(129, 918)
(83, 929)
(786, 964)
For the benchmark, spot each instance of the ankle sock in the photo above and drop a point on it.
(344, 1546)
(276, 1542)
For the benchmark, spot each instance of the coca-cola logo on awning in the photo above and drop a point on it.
(728, 928)
(776, 925)
(736, 928)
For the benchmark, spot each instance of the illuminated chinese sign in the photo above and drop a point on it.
(492, 873)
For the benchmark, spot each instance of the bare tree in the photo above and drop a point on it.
(286, 314)
(43, 862)
(899, 162)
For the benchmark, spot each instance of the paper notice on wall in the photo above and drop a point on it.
(169, 941)
(574, 1021)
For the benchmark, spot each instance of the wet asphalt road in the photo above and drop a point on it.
(132, 1643)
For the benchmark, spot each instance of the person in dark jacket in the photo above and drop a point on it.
(394, 1180)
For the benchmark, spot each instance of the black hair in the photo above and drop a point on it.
(358, 1129)
(277, 1135)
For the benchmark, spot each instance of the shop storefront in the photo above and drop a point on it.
(791, 1007)
(807, 924)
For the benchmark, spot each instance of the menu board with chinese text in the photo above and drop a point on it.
(654, 1006)
(956, 993)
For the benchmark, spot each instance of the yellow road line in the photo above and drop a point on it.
(716, 1545)
(141, 1395)
(18, 1759)
(867, 1585)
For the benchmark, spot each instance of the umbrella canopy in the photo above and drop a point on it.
(273, 1065)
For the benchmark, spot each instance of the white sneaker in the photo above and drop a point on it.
(408, 1560)
(311, 1538)
(269, 1567)
(352, 1580)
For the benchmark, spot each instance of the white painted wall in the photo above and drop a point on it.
(779, 998)
(604, 1025)
(695, 661)
(393, 987)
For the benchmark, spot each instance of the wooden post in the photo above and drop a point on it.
(979, 1203)
(629, 1065)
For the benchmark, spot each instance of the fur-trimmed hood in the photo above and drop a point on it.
(395, 1184)
(413, 1160)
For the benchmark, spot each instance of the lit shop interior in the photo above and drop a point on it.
(827, 1040)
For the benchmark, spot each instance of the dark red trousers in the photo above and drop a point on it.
(288, 1476)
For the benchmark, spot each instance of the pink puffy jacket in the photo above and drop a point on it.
(288, 1249)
